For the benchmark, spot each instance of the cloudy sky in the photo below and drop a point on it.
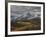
(18, 11)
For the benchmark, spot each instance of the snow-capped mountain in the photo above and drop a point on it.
(28, 16)
(25, 12)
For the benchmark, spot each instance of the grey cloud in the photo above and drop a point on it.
(24, 9)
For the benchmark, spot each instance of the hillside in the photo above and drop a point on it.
(25, 25)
